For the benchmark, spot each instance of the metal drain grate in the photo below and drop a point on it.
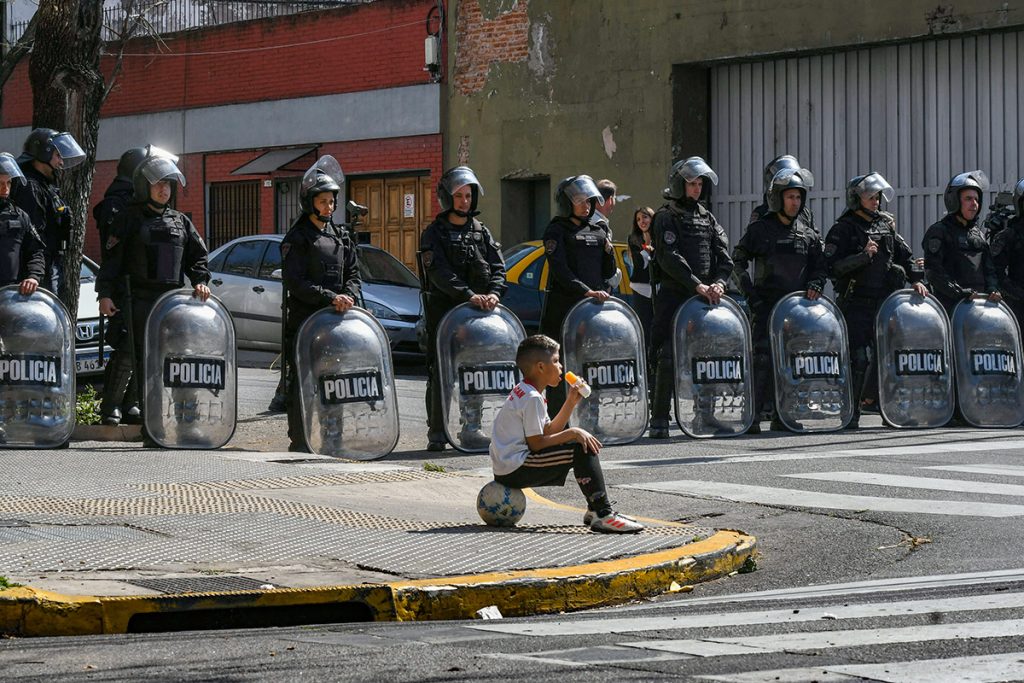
(202, 584)
(24, 533)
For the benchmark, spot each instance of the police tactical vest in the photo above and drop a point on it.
(465, 248)
(157, 249)
(14, 229)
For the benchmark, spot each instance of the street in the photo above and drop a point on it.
(880, 552)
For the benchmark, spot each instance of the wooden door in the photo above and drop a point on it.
(399, 209)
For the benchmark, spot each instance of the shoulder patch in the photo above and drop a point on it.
(428, 258)
(669, 237)
(550, 246)
(830, 249)
(111, 242)
(934, 245)
(285, 248)
(996, 246)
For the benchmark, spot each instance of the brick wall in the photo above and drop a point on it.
(365, 47)
(482, 42)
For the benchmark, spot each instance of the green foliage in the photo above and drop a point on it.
(6, 583)
(87, 406)
(749, 565)
(431, 467)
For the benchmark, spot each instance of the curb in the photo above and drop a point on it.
(29, 612)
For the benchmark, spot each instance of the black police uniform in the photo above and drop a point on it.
(153, 251)
(580, 258)
(862, 283)
(1007, 249)
(786, 258)
(39, 197)
(761, 211)
(21, 250)
(318, 266)
(957, 261)
(120, 390)
(458, 261)
(690, 249)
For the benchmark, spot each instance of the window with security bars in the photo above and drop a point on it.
(234, 211)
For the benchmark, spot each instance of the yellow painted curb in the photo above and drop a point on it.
(30, 612)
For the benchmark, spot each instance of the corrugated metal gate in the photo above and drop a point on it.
(918, 113)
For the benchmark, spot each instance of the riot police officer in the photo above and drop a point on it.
(868, 260)
(691, 257)
(46, 152)
(320, 269)
(774, 166)
(787, 256)
(957, 261)
(120, 390)
(151, 248)
(580, 258)
(460, 262)
(1007, 247)
(22, 260)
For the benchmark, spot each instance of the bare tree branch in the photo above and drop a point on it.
(17, 51)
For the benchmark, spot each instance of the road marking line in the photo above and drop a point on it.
(905, 482)
(976, 669)
(998, 470)
(798, 498)
(823, 640)
(872, 610)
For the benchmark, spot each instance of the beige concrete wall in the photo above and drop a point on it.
(561, 87)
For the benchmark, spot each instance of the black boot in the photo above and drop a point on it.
(661, 405)
(130, 412)
(116, 377)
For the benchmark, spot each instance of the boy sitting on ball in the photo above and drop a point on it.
(529, 449)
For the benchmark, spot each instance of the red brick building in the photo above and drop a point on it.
(250, 105)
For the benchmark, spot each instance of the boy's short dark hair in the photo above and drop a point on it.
(535, 348)
(607, 188)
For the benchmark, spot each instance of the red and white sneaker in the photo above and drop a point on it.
(614, 523)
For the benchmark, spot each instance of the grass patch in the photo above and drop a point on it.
(431, 467)
(87, 406)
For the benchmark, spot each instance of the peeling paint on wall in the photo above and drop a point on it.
(463, 153)
(539, 60)
(609, 141)
(482, 42)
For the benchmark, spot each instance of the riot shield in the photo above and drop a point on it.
(713, 360)
(604, 344)
(191, 379)
(914, 354)
(811, 357)
(987, 346)
(37, 370)
(476, 352)
(346, 385)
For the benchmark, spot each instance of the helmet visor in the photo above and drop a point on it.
(156, 169)
(694, 168)
(581, 188)
(793, 177)
(976, 179)
(9, 167)
(324, 166)
(872, 184)
(68, 149)
(460, 177)
(154, 151)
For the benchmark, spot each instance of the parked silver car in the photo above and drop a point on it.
(246, 277)
(87, 331)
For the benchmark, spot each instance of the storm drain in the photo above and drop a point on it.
(26, 533)
(203, 584)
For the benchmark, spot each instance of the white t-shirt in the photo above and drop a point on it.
(524, 414)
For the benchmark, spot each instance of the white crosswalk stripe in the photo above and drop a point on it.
(794, 631)
(875, 479)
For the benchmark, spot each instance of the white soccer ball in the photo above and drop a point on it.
(500, 505)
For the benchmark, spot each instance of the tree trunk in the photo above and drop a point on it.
(67, 93)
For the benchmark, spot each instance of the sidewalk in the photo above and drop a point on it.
(112, 538)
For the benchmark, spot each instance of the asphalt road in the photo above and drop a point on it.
(931, 520)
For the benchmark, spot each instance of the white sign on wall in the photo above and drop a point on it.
(409, 210)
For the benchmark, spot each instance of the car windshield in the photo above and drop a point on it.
(514, 255)
(378, 266)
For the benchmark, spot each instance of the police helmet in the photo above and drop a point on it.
(453, 179)
(789, 179)
(867, 185)
(130, 161)
(964, 181)
(687, 171)
(573, 189)
(9, 167)
(1018, 197)
(323, 176)
(776, 165)
(157, 165)
(42, 142)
